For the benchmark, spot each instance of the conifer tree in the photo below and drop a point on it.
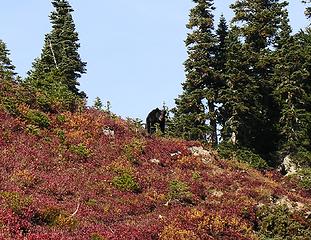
(240, 97)
(59, 63)
(293, 93)
(221, 45)
(251, 109)
(98, 103)
(195, 112)
(6, 66)
(221, 52)
(303, 153)
(289, 77)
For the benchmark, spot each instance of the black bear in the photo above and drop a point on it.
(156, 116)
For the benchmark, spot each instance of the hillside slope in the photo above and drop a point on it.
(89, 175)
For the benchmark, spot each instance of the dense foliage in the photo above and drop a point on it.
(6, 66)
(249, 84)
(201, 84)
(14, 94)
(55, 73)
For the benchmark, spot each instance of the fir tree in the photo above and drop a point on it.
(251, 109)
(98, 104)
(65, 37)
(222, 45)
(59, 55)
(289, 75)
(6, 66)
(221, 52)
(293, 93)
(304, 151)
(240, 95)
(199, 96)
(189, 117)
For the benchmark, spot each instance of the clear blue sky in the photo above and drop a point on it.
(134, 49)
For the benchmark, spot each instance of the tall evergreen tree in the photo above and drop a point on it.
(195, 112)
(236, 110)
(289, 77)
(6, 66)
(250, 108)
(59, 60)
(222, 33)
(221, 52)
(304, 39)
(293, 92)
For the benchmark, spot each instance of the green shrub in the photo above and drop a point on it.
(158, 131)
(81, 150)
(96, 236)
(54, 217)
(91, 202)
(302, 157)
(253, 159)
(52, 95)
(279, 223)
(126, 182)
(10, 105)
(38, 118)
(61, 135)
(98, 103)
(15, 201)
(196, 175)
(226, 150)
(50, 216)
(32, 129)
(229, 151)
(61, 118)
(133, 150)
(179, 190)
(304, 178)
(136, 123)
(11, 96)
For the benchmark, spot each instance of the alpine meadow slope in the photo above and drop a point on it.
(92, 175)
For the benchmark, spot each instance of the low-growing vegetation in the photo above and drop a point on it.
(74, 181)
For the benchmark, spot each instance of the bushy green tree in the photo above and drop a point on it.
(195, 112)
(251, 111)
(290, 77)
(6, 66)
(240, 95)
(65, 39)
(98, 104)
(221, 48)
(221, 57)
(304, 143)
(59, 65)
(293, 93)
